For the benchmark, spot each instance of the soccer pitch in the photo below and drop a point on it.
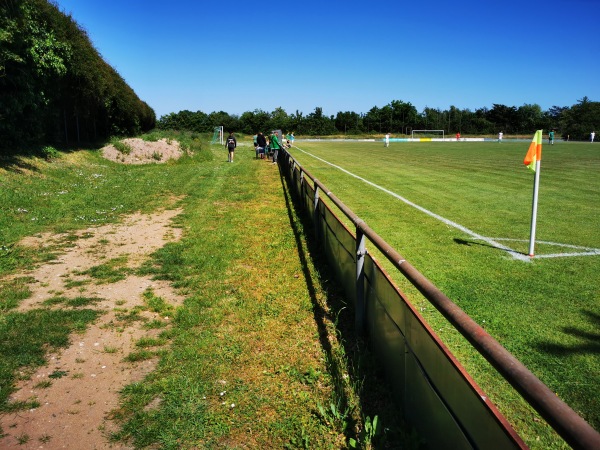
(460, 212)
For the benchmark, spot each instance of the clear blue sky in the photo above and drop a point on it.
(348, 55)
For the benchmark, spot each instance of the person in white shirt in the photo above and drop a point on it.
(592, 136)
(500, 136)
(387, 140)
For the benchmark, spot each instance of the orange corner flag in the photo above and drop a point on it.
(534, 153)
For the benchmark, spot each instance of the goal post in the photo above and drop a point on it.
(428, 134)
(217, 136)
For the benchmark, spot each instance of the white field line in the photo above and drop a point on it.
(490, 241)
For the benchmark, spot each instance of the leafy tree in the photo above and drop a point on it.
(581, 120)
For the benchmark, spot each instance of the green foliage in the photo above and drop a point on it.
(57, 87)
(50, 153)
(121, 146)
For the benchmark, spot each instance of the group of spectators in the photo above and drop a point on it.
(268, 147)
(265, 147)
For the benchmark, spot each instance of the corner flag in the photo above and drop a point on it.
(532, 160)
(534, 153)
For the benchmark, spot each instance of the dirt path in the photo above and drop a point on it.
(75, 407)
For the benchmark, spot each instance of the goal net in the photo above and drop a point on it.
(427, 134)
(217, 136)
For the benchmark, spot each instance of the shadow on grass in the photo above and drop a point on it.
(482, 244)
(589, 341)
(366, 375)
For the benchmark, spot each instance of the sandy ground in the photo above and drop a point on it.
(75, 409)
(144, 152)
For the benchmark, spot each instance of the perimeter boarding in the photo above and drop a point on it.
(434, 392)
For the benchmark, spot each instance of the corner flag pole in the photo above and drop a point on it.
(536, 186)
(533, 161)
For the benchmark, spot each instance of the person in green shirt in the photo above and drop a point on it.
(551, 137)
(275, 146)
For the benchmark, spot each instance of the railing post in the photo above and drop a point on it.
(361, 251)
(316, 212)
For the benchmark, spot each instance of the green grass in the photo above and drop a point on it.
(262, 338)
(547, 311)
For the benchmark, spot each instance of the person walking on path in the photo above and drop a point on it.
(592, 136)
(387, 140)
(275, 146)
(230, 144)
(551, 137)
(500, 136)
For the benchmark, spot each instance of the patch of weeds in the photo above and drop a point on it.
(141, 355)
(14, 291)
(127, 317)
(301, 441)
(370, 431)
(44, 439)
(21, 405)
(157, 304)
(121, 146)
(49, 153)
(110, 349)
(157, 155)
(43, 384)
(77, 376)
(75, 283)
(146, 342)
(57, 300)
(72, 302)
(110, 272)
(58, 374)
(335, 416)
(155, 324)
(23, 439)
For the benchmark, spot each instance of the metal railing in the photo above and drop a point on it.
(436, 394)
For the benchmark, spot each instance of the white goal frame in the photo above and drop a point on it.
(218, 136)
(412, 135)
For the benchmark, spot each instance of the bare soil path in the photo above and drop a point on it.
(75, 407)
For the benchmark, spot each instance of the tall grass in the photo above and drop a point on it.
(547, 311)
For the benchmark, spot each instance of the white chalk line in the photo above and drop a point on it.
(493, 242)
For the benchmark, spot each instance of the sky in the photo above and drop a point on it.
(242, 55)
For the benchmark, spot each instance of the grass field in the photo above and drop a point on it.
(545, 311)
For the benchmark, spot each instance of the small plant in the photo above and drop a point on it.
(49, 153)
(58, 374)
(43, 384)
(23, 439)
(157, 156)
(142, 355)
(121, 146)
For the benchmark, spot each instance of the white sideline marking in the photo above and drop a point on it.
(493, 242)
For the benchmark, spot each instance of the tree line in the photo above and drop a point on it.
(399, 117)
(55, 88)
